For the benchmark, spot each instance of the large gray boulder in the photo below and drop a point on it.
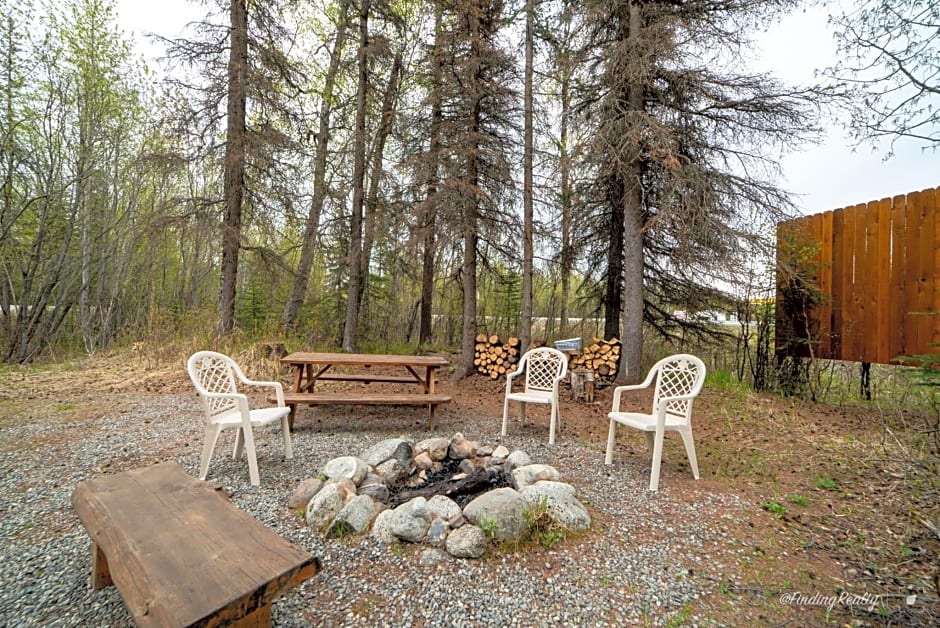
(392, 449)
(355, 517)
(329, 500)
(466, 542)
(560, 500)
(411, 520)
(349, 467)
(532, 473)
(500, 511)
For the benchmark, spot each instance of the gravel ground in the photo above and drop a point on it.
(645, 559)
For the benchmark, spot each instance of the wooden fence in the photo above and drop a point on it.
(861, 283)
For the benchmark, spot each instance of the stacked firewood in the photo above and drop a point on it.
(601, 356)
(495, 358)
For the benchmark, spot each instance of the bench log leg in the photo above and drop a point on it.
(100, 572)
(258, 618)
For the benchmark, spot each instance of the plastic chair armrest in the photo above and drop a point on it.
(620, 389)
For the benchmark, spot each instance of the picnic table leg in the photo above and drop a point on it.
(429, 379)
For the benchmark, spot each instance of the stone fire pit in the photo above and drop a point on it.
(450, 493)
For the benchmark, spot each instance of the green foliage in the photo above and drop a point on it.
(774, 508)
(489, 526)
(339, 530)
(827, 484)
(541, 525)
(799, 500)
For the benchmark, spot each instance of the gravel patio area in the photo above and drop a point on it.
(645, 559)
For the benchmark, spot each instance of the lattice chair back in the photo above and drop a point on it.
(678, 375)
(543, 366)
(213, 372)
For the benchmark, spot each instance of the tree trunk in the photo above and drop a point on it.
(430, 205)
(298, 290)
(567, 259)
(471, 216)
(359, 169)
(525, 324)
(234, 174)
(633, 235)
(375, 178)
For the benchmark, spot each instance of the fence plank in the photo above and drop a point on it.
(825, 287)
(882, 294)
(838, 281)
(898, 263)
(911, 272)
(925, 311)
(849, 313)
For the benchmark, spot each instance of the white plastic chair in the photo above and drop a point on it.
(544, 368)
(679, 380)
(214, 376)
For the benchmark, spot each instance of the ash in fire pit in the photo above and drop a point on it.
(443, 491)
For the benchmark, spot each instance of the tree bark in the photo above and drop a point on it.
(375, 178)
(298, 291)
(525, 323)
(429, 249)
(359, 169)
(471, 216)
(234, 166)
(633, 236)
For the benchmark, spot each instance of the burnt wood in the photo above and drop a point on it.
(477, 481)
(181, 554)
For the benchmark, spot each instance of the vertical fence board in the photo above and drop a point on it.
(825, 287)
(849, 314)
(866, 282)
(838, 269)
(925, 311)
(882, 293)
(898, 264)
(912, 223)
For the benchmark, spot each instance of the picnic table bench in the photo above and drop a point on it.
(312, 368)
(181, 554)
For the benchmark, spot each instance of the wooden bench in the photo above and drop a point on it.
(293, 399)
(181, 554)
(368, 379)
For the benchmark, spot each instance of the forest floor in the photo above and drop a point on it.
(843, 500)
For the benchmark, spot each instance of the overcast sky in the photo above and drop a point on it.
(835, 174)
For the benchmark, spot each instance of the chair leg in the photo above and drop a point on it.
(552, 424)
(239, 443)
(690, 451)
(611, 441)
(252, 459)
(657, 460)
(649, 443)
(505, 416)
(285, 428)
(212, 436)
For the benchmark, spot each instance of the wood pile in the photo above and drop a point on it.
(494, 358)
(601, 356)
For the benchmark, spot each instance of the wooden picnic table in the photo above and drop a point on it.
(312, 368)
